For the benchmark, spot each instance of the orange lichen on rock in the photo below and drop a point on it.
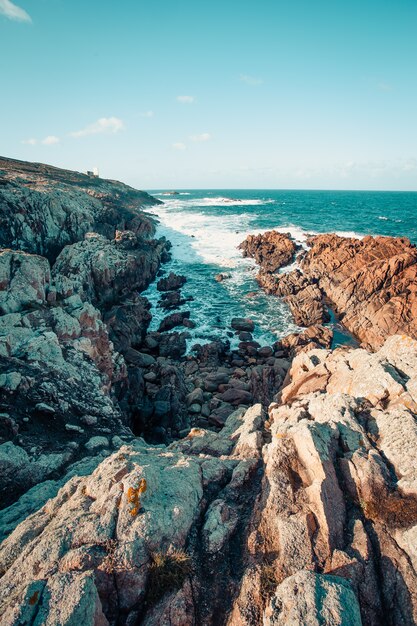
(133, 496)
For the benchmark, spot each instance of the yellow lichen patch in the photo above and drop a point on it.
(133, 496)
(196, 432)
(280, 435)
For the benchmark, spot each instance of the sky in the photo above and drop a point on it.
(179, 94)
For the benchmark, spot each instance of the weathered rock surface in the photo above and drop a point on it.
(303, 296)
(308, 599)
(121, 544)
(44, 208)
(62, 379)
(370, 282)
(309, 518)
(271, 250)
(103, 272)
(24, 280)
(305, 518)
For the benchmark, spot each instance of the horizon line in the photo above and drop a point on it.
(171, 189)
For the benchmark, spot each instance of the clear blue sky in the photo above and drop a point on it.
(221, 94)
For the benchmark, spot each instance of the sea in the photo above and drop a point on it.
(206, 227)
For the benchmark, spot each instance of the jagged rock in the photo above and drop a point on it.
(171, 300)
(102, 272)
(173, 320)
(312, 337)
(271, 250)
(212, 354)
(97, 539)
(24, 281)
(371, 281)
(307, 599)
(62, 379)
(172, 282)
(127, 323)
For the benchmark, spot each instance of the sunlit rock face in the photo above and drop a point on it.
(307, 514)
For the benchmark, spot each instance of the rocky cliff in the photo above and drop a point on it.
(61, 372)
(44, 208)
(141, 485)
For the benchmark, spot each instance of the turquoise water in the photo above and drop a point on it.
(206, 227)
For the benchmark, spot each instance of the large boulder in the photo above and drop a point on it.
(24, 280)
(271, 250)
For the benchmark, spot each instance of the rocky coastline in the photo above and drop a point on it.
(144, 484)
(371, 283)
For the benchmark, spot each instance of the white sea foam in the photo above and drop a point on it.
(222, 201)
(204, 244)
(382, 217)
(213, 239)
(349, 234)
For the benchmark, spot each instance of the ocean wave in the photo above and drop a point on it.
(224, 201)
(382, 217)
(207, 238)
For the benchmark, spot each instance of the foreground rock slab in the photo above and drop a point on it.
(309, 517)
(101, 550)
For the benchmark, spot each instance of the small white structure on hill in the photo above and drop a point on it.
(94, 173)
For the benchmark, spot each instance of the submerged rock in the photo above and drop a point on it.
(243, 324)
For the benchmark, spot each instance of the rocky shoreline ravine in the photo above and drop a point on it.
(144, 485)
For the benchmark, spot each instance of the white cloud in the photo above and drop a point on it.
(250, 80)
(185, 99)
(103, 125)
(29, 142)
(13, 12)
(179, 146)
(202, 137)
(50, 140)
(147, 114)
